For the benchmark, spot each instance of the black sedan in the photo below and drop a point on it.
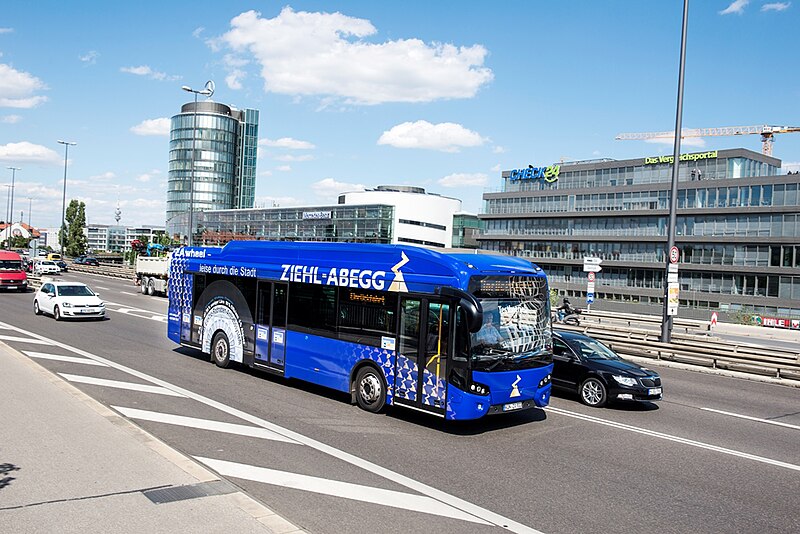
(86, 261)
(597, 374)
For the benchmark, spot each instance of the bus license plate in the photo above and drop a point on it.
(654, 391)
(512, 406)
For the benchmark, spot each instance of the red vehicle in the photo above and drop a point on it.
(12, 271)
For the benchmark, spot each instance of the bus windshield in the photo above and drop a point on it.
(515, 332)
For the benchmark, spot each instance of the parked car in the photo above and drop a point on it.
(45, 267)
(68, 299)
(597, 374)
(86, 260)
(62, 265)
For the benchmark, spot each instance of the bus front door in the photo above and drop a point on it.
(271, 325)
(420, 377)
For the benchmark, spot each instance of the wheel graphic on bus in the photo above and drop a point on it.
(222, 319)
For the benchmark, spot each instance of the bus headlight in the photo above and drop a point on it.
(478, 389)
(544, 381)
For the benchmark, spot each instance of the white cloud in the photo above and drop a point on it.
(286, 142)
(103, 177)
(10, 119)
(234, 79)
(688, 141)
(198, 32)
(737, 6)
(464, 179)
(284, 168)
(17, 88)
(148, 176)
(278, 202)
(326, 54)
(776, 6)
(6, 30)
(158, 126)
(145, 70)
(90, 58)
(290, 157)
(329, 189)
(498, 150)
(445, 136)
(28, 152)
(497, 168)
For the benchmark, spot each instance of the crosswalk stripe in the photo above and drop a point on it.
(24, 340)
(120, 385)
(346, 490)
(203, 424)
(61, 358)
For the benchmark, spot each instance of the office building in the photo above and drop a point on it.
(115, 238)
(738, 230)
(222, 142)
(386, 214)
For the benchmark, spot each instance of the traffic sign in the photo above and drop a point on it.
(674, 255)
(591, 277)
(591, 260)
(592, 268)
(589, 298)
(714, 319)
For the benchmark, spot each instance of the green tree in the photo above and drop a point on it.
(76, 221)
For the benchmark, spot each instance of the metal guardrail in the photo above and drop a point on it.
(703, 350)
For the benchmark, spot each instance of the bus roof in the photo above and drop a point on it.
(419, 268)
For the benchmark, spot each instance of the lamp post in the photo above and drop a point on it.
(13, 176)
(66, 144)
(30, 203)
(208, 90)
(666, 318)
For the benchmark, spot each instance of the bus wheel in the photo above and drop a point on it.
(370, 393)
(221, 349)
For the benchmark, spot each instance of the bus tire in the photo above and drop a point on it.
(221, 349)
(370, 389)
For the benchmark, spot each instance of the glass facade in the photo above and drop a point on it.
(222, 143)
(352, 224)
(738, 229)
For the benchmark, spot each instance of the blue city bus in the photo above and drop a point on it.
(457, 335)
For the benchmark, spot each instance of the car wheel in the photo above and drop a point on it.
(56, 314)
(370, 391)
(36, 308)
(593, 393)
(221, 349)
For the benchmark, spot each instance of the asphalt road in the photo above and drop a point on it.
(718, 454)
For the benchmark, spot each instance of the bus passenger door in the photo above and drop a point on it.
(271, 325)
(420, 378)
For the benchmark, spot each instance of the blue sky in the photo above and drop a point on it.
(443, 95)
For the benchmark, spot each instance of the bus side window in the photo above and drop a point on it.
(264, 303)
(409, 329)
(461, 352)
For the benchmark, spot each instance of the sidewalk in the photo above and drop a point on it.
(69, 464)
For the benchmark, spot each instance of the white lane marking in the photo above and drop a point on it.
(103, 288)
(120, 385)
(419, 487)
(25, 339)
(768, 421)
(676, 439)
(126, 293)
(345, 490)
(61, 358)
(203, 424)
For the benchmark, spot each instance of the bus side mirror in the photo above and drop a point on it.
(470, 305)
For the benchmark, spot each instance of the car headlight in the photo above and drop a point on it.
(102, 304)
(625, 380)
(66, 304)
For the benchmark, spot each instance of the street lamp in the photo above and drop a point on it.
(30, 203)
(208, 90)
(66, 144)
(13, 176)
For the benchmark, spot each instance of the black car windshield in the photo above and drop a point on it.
(74, 291)
(515, 332)
(591, 349)
(10, 265)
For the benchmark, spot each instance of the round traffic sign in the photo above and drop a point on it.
(674, 255)
(591, 277)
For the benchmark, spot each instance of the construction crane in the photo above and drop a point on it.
(766, 132)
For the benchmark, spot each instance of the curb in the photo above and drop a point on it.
(258, 511)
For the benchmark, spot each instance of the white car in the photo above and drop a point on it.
(46, 267)
(68, 299)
